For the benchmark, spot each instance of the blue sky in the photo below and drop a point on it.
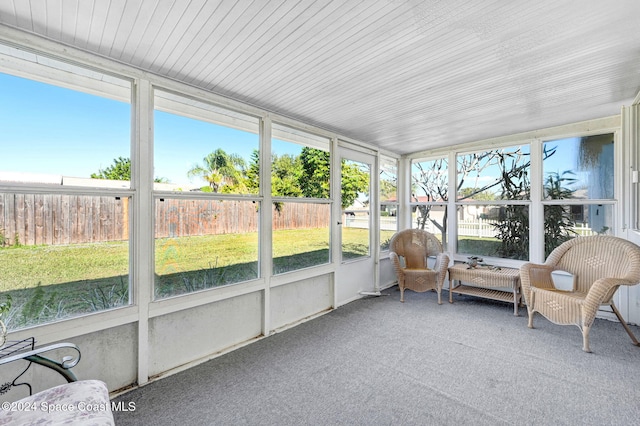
(180, 143)
(46, 129)
(52, 130)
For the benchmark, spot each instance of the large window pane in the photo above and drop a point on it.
(300, 169)
(201, 244)
(564, 222)
(76, 133)
(300, 163)
(388, 180)
(356, 223)
(494, 230)
(580, 167)
(430, 181)
(432, 218)
(429, 194)
(388, 200)
(498, 174)
(301, 235)
(577, 168)
(62, 255)
(202, 147)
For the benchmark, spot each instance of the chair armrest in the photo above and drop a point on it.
(442, 264)
(603, 289)
(600, 292)
(24, 350)
(536, 275)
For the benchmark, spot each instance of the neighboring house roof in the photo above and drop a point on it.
(25, 177)
(53, 179)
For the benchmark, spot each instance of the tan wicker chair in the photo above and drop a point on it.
(409, 250)
(599, 265)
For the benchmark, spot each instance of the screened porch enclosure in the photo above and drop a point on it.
(165, 199)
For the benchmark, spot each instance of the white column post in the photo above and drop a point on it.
(266, 221)
(142, 237)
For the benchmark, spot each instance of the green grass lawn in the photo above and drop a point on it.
(27, 266)
(51, 282)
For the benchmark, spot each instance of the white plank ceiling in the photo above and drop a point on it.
(405, 75)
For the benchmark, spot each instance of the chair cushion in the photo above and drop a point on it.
(564, 280)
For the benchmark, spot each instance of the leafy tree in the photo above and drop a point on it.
(253, 172)
(558, 222)
(119, 170)
(286, 173)
(223, 172)
(388, 189)
(291, 176)
(513, 227)
(315, 178)
(355, 181)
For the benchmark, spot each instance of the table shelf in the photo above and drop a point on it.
(487, 293)
(486, 283)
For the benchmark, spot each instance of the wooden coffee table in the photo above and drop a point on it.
(486, 282)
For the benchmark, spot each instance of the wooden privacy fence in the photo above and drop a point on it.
(56, 219)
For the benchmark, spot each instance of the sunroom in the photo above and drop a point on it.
(181, 179)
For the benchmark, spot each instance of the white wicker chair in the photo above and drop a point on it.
(409, 251)
(599, 265)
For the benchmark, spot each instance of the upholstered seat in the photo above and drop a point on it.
(409, 251)
(85, 402)
(599, 266)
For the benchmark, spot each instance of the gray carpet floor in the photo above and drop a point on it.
(377, 361)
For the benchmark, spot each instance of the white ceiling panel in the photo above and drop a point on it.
(406, 75)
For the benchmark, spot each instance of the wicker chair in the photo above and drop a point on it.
(599, 265)
(409, 250)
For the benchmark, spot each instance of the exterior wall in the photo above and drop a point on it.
(109, 355)
(177, 339)
(294, 302)
(191, 334)
(387, 274)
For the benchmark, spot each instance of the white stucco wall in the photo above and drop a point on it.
(293, 302)
(188, 335)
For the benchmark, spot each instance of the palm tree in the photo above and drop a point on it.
(221, 170)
